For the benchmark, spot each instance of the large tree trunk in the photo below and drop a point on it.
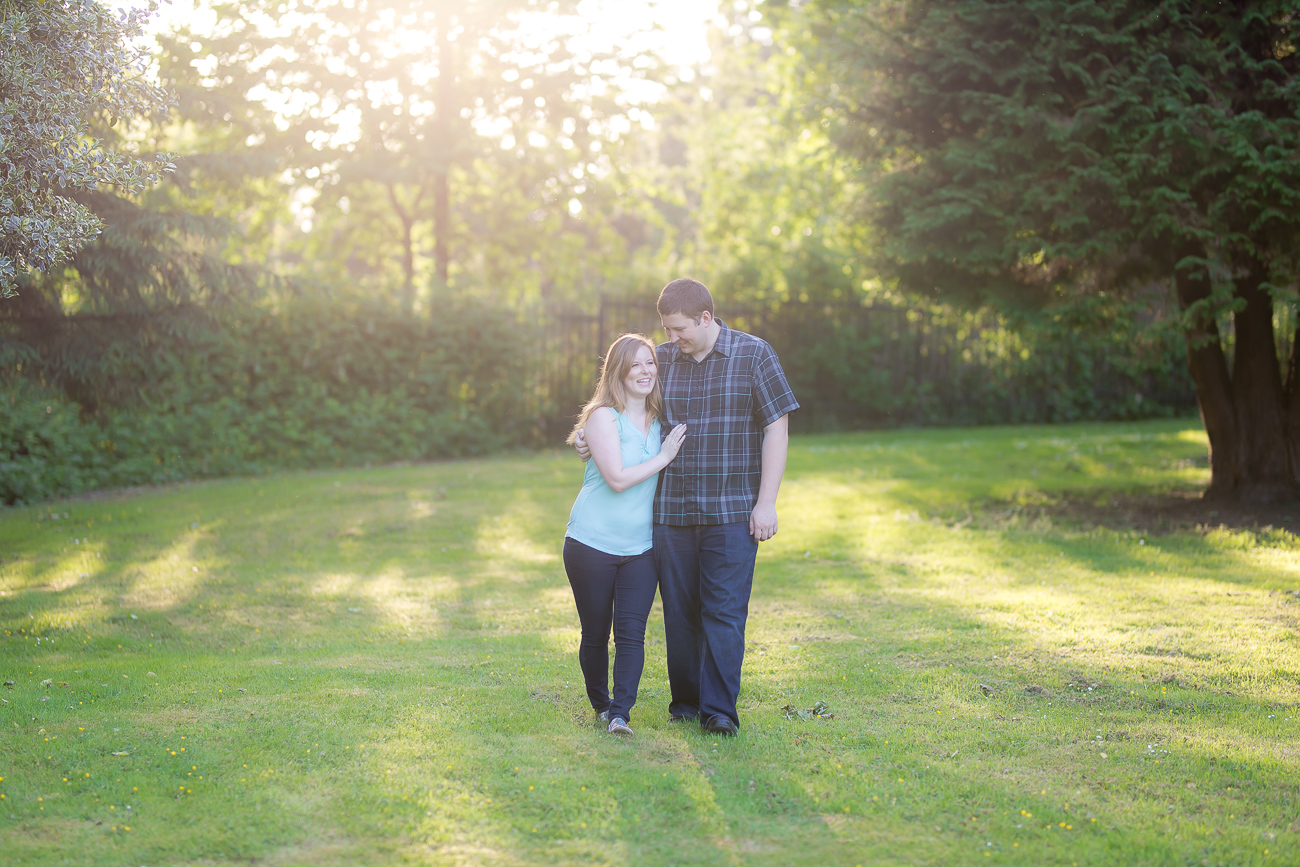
(1209, 371)
(1245, 412)
(1293, 400)
(1264, 470)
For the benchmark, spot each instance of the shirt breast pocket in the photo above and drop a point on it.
(737, 398)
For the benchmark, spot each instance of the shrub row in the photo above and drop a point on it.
(84, 406)
(889, 365)
(305, 387)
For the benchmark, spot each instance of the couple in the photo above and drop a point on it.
(694, 533)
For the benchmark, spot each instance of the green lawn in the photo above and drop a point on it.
(379, 666)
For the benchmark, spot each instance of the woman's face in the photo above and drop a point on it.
(641, 375)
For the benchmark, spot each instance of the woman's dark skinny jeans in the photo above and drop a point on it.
(618, 591)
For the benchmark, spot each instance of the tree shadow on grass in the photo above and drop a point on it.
(1016, 729)
(325, 622)
(1153, 513)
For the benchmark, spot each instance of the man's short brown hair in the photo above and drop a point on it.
(687, 297)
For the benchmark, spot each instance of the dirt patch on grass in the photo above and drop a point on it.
(1148, 513)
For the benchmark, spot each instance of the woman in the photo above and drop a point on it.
(607, 544)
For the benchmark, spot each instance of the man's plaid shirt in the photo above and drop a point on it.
(726, 401)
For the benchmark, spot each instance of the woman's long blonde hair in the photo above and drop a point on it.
(611, 390)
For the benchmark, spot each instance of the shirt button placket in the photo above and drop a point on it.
(694, 409)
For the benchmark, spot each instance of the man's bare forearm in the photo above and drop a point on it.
(776, 442)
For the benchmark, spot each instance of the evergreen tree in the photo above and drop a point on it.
(1032, 148)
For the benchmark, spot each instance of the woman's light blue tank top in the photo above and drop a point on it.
(608, 521)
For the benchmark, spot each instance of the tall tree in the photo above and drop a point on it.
(389, 104)
(160, 257)
(1038, 147)
(63, 65)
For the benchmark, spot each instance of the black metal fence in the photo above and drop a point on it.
(855, 365)
(851, 365)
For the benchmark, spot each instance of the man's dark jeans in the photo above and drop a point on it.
(705, 577)
(610, 590)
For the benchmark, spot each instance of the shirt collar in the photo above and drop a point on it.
(723, 344)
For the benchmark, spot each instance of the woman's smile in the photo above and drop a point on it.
(640, 379)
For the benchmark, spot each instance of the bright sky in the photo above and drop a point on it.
(676, 30)
(681, 40)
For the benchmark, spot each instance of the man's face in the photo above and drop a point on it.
(689, 334)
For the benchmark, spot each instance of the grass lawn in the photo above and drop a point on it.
(379, 666)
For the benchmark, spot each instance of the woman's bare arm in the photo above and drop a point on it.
(602, 439)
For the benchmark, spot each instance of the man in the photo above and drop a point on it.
(717, 500)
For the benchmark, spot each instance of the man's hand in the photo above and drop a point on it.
(762, 522)
(580, 443)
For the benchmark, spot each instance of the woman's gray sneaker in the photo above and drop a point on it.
(604, 716)
(619, 726)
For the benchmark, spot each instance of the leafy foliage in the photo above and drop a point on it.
(153, 273)
(1009, 145)
(757, 199)
(63, 64)
(183, 395)
(456, 148)
(314, 385)
(255, 311)
(897, 361)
